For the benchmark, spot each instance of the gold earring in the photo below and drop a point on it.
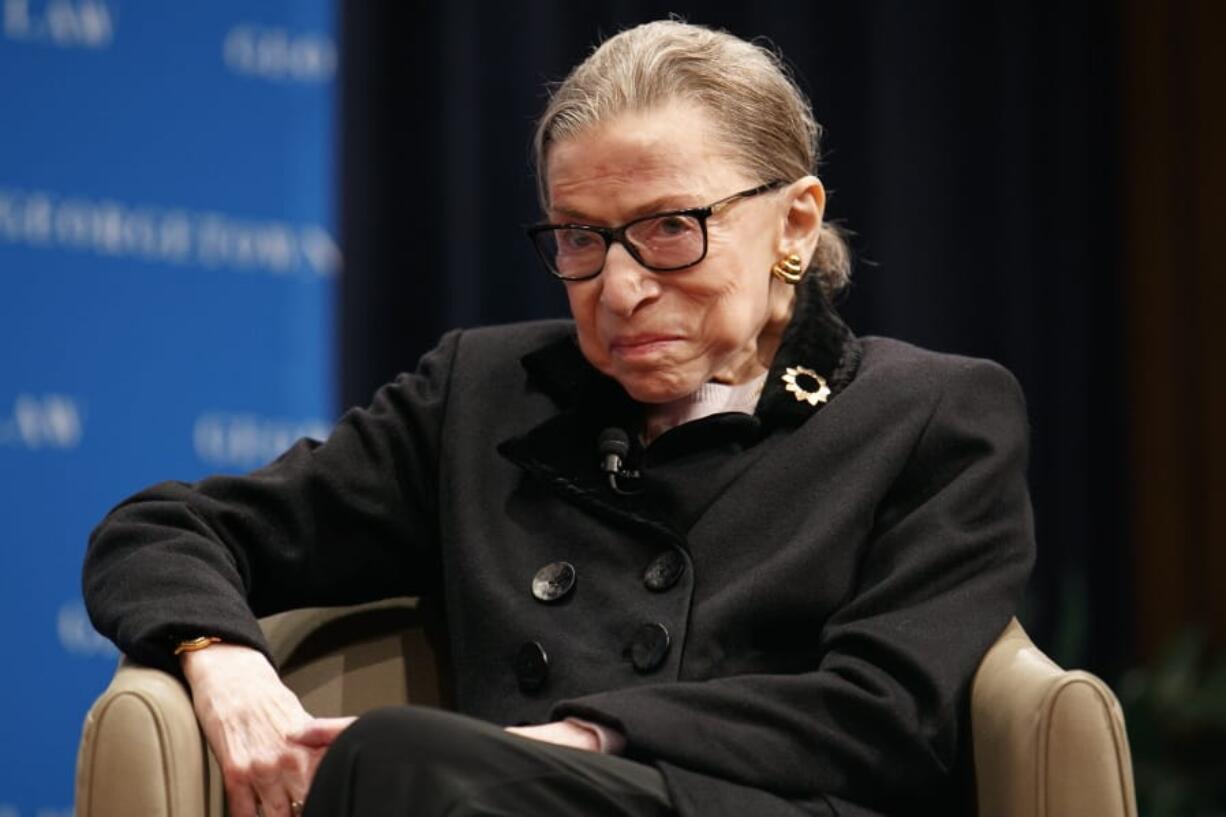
(789, 270)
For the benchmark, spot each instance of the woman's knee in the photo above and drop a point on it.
(407, 732)
(404, 756)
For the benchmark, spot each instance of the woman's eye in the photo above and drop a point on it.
(673, 225)
(577, 240)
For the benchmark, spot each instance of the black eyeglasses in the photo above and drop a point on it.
(662, 242)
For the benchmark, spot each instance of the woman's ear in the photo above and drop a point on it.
(802, 222)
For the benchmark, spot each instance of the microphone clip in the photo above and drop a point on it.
(623, 474)
(613, 446)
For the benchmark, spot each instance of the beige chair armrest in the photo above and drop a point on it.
(1047, 742)
(141, 750)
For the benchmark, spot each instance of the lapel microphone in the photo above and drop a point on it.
(613, 445)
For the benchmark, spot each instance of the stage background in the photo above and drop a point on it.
(167, 269)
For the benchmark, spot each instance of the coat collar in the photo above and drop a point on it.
(816, 340)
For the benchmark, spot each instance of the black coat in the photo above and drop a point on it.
(843, 566)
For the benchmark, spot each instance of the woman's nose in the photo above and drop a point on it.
(625, 283)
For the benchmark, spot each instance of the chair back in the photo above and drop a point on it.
(346, 661)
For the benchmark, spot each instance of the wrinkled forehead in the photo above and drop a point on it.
(617, 166)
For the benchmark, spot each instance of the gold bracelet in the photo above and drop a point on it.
(196, 644)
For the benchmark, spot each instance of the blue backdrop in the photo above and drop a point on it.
(167, 266)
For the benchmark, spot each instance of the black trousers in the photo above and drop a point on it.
(414, 761)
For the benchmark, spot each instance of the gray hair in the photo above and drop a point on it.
(761, 114)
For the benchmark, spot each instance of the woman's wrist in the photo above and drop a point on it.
(195, 644)
(222, 657)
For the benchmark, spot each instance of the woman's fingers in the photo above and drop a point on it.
(272, 774)
(240, 799)
(297, 769)
(316, 755)
(320, 732)
(270, 789)
(269, 785)
(261, 766)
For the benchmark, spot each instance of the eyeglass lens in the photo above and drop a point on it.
(664, 242)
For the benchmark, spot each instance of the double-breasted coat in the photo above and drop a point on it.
(783, 615)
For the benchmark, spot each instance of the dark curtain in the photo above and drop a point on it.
(971, 147)
(1174, 124)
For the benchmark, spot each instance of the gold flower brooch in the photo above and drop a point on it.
(807, 385)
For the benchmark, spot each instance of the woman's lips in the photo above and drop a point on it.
(634, 347)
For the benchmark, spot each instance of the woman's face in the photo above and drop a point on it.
(662, 335)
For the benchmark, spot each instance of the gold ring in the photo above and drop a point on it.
(296, 807)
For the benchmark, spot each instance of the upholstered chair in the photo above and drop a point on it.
(1047, 742)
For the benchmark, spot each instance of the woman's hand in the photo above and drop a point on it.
(563, 733)
(268, 746)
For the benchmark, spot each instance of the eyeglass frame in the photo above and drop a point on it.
(612, 235)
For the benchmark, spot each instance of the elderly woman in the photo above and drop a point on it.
(701, 550)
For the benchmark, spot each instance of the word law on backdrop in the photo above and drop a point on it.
(81, 24)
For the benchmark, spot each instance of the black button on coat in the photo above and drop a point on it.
(848, 564)
(531, 666)
(664, 570)
(553, 581)
(649, 647)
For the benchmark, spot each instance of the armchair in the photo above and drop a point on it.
(1047, 742)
